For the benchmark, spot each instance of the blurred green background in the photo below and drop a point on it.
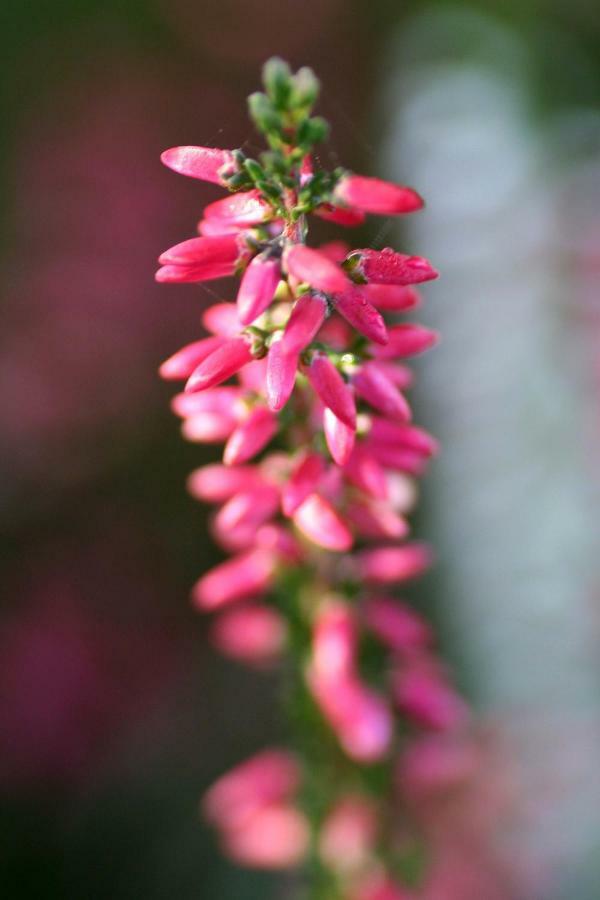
(115, 714)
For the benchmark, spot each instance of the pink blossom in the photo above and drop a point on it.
(304, 480)
(225, 400)
(386, 565)
(332, 389)
(335, 639)
(222, 319)
(216, 482)
(203, 258)
(244, 576)
(391, 297)
(229, 357)
(250, 437)
(360, 718)
(366, 473)
(371, 383)
(248, 509)
(273, 837)
(257, 288)
(388, 267)
(314, 268)
(239, 210)
(206, 163)
(408, 436)
(396, 624)
(406, 340)
(320, 523)
(349, 833)
(305, 320)
(183, 363)
(208, 428)
(269, 777)
(281, 374)
(354, 306)
(375, 520)
(372, 195)
(252, 633)
(340, 215)
(339, 437)
(422, 692)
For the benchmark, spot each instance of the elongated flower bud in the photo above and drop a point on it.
(303, 481)
(332, 389)
(406, 340)
(182, 364)
(314, 268)
(388, 267)
(221, 364)
(373, 385)
(396, 624)
(320, 523)
(204, 258)
(305, 320)
(216, 482)
(205, 163)
(245, 576)
(245, 208)
(281, 374)
(340, 215)
(208, 428)
(354, 306)
(386, 565)
(253, 633)
(222, 319)
(250, 437)
(372, 195)
(339, 437)
(391, 297)
(257, 288)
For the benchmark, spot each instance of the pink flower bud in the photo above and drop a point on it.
(281, 374)
(303, 481)
(386, 565)
(257, 288)
(340, 215)
(320, 523)
(356, 309)
(307, 317)
(269, 777)
(392, 297)
(280, 541)
(227, 401)
(332, 389)
(203, 258)
(248, 509)
(253, 377)
(373, 385)
(408, 436)
(372, 195)
(334, 643)
(215, 483)
(314, 268)
(222, 319)
(274, 837)
(206, 163)
(208, 428)
(388, 267)
(360, 718)
(348, 834)
(396, 624)
(336, 333)
(214, 227)
(423, 693)
(339, 437)
(183, 363)
(406, 340)
(401, 459)
(398, 374)
(254, 634)
(250, 437)
(229, 357)
(366, 473)
(244, 576)
(242, 208)
(336, 251)
(376, 520)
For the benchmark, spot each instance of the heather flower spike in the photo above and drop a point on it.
(299, 378)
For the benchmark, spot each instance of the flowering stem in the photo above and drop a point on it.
(317, 479)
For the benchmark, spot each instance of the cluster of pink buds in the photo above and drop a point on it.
(303, 378)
